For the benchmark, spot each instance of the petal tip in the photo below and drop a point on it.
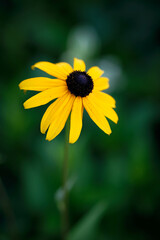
(47, 139)
(33, 67)
(75, 58)
(24, 105)
(42, 131)
(71, 141)
(19, 85)
(110, 133)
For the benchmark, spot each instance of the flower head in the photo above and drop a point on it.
(74, 89)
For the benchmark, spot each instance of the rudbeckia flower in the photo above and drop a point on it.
(74, 89)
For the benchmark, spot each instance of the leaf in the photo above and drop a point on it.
(86, 228)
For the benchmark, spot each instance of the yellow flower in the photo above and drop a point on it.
(75, 89)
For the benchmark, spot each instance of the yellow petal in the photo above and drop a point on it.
(101, 83)
(105, 98)
(40, 83)
(95, 72)
(76, 120)
(60, 70)
(96, 115)
(65, 68)
(104, 108)
(60, 119)
(53, 110)
(79, 65)
(45, 97)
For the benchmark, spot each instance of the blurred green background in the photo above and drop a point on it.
(115, 180)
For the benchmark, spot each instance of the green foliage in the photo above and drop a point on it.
(87, 227)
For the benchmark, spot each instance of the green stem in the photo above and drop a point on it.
(65, 221)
